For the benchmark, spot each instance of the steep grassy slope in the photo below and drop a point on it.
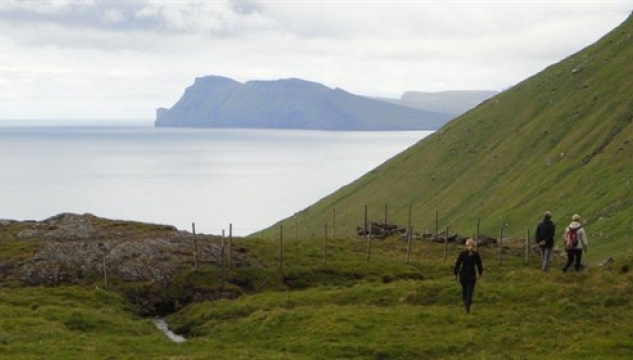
(561, 140)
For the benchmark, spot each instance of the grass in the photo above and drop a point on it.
(349, 308)
(520, 312)
(69, 323)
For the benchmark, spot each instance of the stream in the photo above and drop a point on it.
(162, 326)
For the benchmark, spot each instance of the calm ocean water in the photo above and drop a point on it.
(213, 177)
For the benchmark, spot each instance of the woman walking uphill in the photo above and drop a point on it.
(468, 265)
(575, 243)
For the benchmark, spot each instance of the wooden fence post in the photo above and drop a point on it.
(478, 224)
(386, 212)
(222, 261)
(410, 211)
(281, 246)
(500, 242)
(527, 247)
(369, 246)
(365, 223)
(230, 259)
(410, 239)
(437, 224)
(445, 244)
(324, 244)
(103, 248)
(105, 272)
(333, 223)
(195, 246)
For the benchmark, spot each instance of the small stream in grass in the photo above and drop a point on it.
(161, 324)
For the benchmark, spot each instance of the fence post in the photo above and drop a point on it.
(478, 224)
(105, 273)
(386, 212)
(365, 223)
(500, 242)
(103, 248)
(527, 247)
(195, 246)
(333, 223)
(369, 246)
(410, 211)
(437, 224)
(445, 244)
(324, 244)
(281, 246)
(222, 261)
(230, 259)
(410, 239)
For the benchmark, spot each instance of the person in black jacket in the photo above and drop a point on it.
(467, 265)
(545, 232)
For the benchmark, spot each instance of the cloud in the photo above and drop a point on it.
(78, 15)
(125, 58)
(63, 23)
(122, 19)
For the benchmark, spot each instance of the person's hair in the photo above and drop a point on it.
(471, 242)
(576, 217)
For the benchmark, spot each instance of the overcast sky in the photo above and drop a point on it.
(70, 59)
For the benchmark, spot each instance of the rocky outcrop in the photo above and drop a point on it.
(85, 249)
(74, 247)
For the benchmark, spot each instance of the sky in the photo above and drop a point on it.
(91, 59)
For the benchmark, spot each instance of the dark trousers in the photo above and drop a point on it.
(468, 287)
(574, 256)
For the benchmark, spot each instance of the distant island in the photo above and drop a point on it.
(454, 102)
(220, 102)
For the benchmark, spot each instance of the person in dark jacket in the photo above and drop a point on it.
(467, 265)
(545, 233)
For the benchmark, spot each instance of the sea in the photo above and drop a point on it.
(214, 179)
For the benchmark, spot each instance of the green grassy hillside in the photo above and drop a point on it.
(348, 308)
(519, 313)
(561, 140)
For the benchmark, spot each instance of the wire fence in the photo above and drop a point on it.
(378, 241)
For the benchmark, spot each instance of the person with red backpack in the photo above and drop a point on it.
(575, 241)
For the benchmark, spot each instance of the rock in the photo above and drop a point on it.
(607, 262)
(71, 249)
(379, 230)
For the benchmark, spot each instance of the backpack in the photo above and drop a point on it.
(571, 238)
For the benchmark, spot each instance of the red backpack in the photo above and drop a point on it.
(571, 238)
